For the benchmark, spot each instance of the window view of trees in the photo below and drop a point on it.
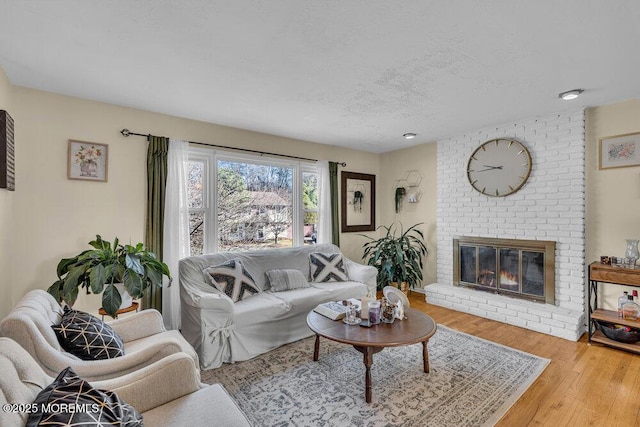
(254, 206)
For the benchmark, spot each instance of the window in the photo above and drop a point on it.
(239, 203)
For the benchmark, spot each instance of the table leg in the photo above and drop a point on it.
(316, 350)
(367, 353)
(368, 361)
(425, 356)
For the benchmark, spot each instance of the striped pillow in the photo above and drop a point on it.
(284, 280)
(327, 267)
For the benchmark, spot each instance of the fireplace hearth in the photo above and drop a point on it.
(514, 267)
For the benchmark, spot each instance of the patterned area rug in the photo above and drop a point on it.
(472, 382)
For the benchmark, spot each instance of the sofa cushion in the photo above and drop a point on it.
(232, 279)
(72, 401)
(87, 337)
(285, 280)
(327, 267)
(342, 290)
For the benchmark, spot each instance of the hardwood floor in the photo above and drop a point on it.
(583, 385)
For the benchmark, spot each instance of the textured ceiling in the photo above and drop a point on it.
(355, 73)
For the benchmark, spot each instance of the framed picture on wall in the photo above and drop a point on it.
(620, 151)
(87, 161)
(358, 202)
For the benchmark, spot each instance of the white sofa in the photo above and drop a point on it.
(222, 331)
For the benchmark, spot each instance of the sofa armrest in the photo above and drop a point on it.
(366, 274)
(163, 381)
(138, 325)
(213, 300)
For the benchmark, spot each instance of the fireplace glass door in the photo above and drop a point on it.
(511, 267)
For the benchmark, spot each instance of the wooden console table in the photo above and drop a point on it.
(604, 273)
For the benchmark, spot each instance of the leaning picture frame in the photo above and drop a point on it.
(619, 151)
(87, 161)
(358, 202)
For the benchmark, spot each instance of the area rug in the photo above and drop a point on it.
(473, 382)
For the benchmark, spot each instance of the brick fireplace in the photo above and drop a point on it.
(549, 207)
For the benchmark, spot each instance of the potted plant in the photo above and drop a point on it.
(398, 258)
(101, 269)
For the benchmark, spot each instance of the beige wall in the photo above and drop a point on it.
(393, 167)
(54, 217)
(6, 209)
(613, 195)
(49, 217)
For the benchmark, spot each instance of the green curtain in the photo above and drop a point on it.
(156, 184)
(333, 187)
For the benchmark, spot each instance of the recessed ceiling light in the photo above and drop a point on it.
(409, 135)
(570, 94)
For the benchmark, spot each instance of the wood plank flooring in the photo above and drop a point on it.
(584, 385)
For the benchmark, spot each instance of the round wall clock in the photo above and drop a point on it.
(499, 167)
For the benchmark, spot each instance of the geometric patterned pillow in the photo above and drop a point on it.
(71, 401)
(87, 337)
(327, 267)
(232, 279)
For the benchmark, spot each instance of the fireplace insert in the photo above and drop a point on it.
(515, 267)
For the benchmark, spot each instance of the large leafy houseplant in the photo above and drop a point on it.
(98, 269)
(398, 257)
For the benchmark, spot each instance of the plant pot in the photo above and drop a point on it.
(403, 286)
(127, 299)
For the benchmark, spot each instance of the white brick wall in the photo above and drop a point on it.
(550, 206)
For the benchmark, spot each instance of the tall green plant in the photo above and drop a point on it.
(398, 258)
(99, 268)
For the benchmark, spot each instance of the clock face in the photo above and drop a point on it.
(499, 167)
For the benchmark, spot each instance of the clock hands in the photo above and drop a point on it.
(489, 168)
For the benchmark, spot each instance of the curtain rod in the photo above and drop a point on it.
(126, 133)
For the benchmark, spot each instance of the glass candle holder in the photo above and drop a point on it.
(374, 312)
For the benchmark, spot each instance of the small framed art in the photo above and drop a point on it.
(620, 151)
(358, 202)
(88, 161)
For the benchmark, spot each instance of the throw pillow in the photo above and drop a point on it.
(87, 337)
(327, 267)
(232, 279)
(284, 280)
(71, 401)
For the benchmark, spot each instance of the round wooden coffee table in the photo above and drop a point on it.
(416, 328)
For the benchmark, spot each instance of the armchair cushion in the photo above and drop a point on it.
(70, 400)
(327, 267)
(233, 279)
(87, 337)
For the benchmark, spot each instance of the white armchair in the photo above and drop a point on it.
(167, 392)
(145, 339)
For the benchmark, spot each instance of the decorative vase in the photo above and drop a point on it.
(632, 251)
(89, 168)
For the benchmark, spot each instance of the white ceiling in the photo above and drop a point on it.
(355, 73)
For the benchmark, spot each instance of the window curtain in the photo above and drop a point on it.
(176, 228)
(333, 187)
(156, 183)
(325, 231)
